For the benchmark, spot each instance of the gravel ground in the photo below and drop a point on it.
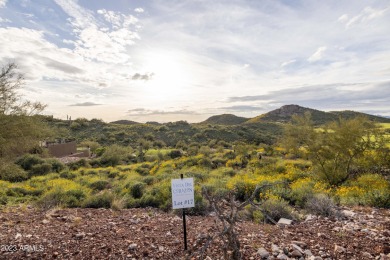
(29, 233)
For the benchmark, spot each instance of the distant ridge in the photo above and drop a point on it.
(225, 119)
(351, 114)
(284, 114)
(124, 122)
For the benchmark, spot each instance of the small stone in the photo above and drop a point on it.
(45, 221)
(282, 256)
(298, 248)
(132, 247)
(315, 258)
(348, 213)
(285, 221)
(339, 249)
(80, 235)
(161, 248)
(308, 253)
(275, 248)
(310, 217)
(296, 253)
(366, 255)
(263, 253)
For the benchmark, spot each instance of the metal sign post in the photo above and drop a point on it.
(184, 223)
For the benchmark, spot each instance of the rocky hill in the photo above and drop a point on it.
(124, 122)
(225, 119)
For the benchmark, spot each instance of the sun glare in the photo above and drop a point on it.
(169, 76)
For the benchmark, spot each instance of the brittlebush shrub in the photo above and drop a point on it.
(63, 192)
(369, 190)
(101, 200)
(302, 190)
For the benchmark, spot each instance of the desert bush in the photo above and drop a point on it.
(176, 153)
(68, 174)
(62, 192)
(12, 172)
(40, 169)
(277, 208)
(101, 200)
(149, 180)
(205, 162)
(25, 190)
(3, 200)
(77, 165)
(137, 189)
(321, 204)
(301, 191)
(143, 169)
(369, 190)
(100, 185)
(58, 197)
(27, 161)
(56, 166)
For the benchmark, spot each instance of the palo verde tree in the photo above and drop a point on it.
(333, 149)
(20, 127)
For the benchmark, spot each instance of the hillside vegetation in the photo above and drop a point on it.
(309, 157)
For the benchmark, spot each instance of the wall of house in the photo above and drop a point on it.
(61, 150)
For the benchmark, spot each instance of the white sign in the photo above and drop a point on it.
(182, 193)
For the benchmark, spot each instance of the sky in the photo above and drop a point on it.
(154, 60)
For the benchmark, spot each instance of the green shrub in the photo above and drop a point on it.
(205, 162)
(56, 166)
(149, 180)
(137, 189)
(100, 185)
(12, 172)
(40, 169)
(68, 175)
(78, 164)
(29, 160)
(302, 190)
(143, 169)
(149, 200)
(175, 154)
(377, 190)
(101, 200)
(3, 200)
(277, 208)
(59, 197)
(253, 214)
(23, 191)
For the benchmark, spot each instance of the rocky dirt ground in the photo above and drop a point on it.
(28, 233)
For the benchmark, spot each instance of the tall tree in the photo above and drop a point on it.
(20, 127)
(333, 149)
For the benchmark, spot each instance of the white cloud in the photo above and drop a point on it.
(196, 53)
(139, 10)
(285, 64)
(3, 3)
(366, 15)
(97, 42)
(318, 55)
